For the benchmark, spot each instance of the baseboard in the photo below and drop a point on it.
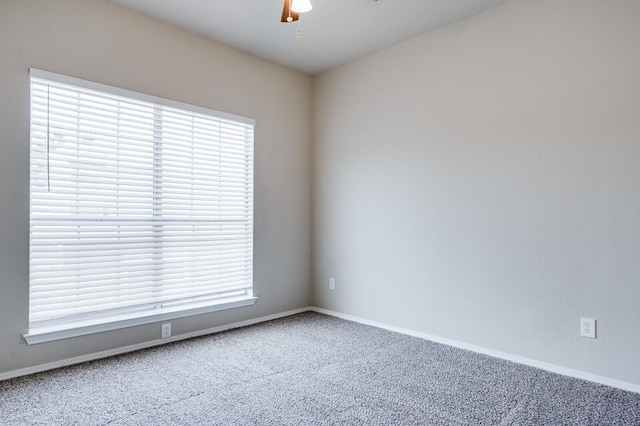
(497, 354)
(457, 344)
(118, 351)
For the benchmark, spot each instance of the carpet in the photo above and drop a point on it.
(309, 369)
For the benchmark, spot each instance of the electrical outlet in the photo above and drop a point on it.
(166, 330)
(588, 327)
(332, 283)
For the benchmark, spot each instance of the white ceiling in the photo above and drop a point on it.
(334, 32)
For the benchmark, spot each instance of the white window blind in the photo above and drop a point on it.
(139, 206)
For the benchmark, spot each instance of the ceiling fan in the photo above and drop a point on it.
(292, 9)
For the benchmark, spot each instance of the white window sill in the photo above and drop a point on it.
(59, 332)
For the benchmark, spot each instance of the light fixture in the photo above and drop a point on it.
(288, 15)
(301, 6)
(292, 10)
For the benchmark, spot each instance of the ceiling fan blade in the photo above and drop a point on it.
(287, 12)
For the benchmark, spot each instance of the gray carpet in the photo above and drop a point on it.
(309, 369)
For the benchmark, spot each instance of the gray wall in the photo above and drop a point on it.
(481, 183)
(102, 42)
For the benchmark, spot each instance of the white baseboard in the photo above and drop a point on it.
(118, 351)
(497, 354)
(457, 344)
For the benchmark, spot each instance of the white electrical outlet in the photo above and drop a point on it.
(332, 283)
(588, 327)
(166, 330)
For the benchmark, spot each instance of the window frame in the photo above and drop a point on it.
(53, 331)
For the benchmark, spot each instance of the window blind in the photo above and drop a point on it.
(139, 205)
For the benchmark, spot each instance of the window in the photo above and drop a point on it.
(141, 209)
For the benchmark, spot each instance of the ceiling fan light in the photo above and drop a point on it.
(301, 6)
(287, 14)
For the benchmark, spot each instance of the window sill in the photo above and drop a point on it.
(59, 332)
